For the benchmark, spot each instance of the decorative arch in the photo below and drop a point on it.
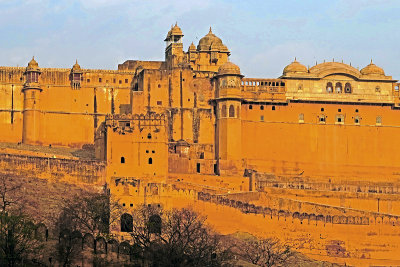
(347, 88)
(231, 111)
(223, 111)
(329, 87)
(338, 87)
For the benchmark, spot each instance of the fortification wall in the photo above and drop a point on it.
(58, 170)
(68, 116)
(281, 143)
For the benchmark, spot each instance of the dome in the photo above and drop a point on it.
(174, 31)
(229, 68)
(33, 65)
(76, 67)
(372, 69)
(295, 67)
(211, 41)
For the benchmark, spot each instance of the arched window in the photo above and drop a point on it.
(150, 160)
(329, 87)
(154, 225)
(122, 159)
(231, 111)
(338, 87)
(126, 223)
(223, 111)
(347, 88)
(301, 117)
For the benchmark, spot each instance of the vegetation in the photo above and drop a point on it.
(156, 237)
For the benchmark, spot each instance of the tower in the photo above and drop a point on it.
(228, 121)
(31, 112)
(174, 47)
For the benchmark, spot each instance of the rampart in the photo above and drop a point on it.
(57, 169)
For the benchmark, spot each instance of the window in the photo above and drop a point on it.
(339, 119)
(223, 111)
(149, 136)
(126, 222)
(262, 118)
(378, 120)
(147, 151)
(347, 88)
(99, 80)
(122, 160)
(150, 160)
(377, 89)
(357, 120)
(154, 225)
(338, 87)
(119, 81)
(339, 110)
(273, 107)
(262, 107)
(113, 80)
(159, 103)
(198, 167)
(126, 80)
(153, 151)
(321, 118)
(88, 80)
(329, 87)
(301, 117)
(250, 106)
(231, 111)
(356, 110)
(322, 109)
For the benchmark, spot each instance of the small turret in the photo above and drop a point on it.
(174, 48)
(31, 111)
(76, 76)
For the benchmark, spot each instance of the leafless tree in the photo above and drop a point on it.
(265, 252)
(10, 191)
(177, 238)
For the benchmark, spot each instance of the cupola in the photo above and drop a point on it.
(32, 72)
(211, 42)
(295, 67)
(76, 75)
(229, 69)
(372, 69)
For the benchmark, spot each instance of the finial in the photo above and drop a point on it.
(176, 23)
(324, 60)
(76, 61)
(371, 61)
(350, 63)
(210, 30)
(333, 59)
(33, 58)
(342, 60)
(316, 63)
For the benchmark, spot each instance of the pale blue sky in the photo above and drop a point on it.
(263, 36)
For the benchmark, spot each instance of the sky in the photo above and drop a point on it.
(263, 36)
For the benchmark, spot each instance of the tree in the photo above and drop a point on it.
(177, 238)
(18, 242)
(265, 252)
(92, 213)
(17, 239)
(8, 192)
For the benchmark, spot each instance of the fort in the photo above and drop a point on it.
(309, 157)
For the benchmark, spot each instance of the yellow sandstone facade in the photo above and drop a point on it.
(193, 130)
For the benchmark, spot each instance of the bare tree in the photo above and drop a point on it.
(177, 238)
(265, 252)
(10, 193)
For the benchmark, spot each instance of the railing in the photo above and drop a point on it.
(264, 85)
